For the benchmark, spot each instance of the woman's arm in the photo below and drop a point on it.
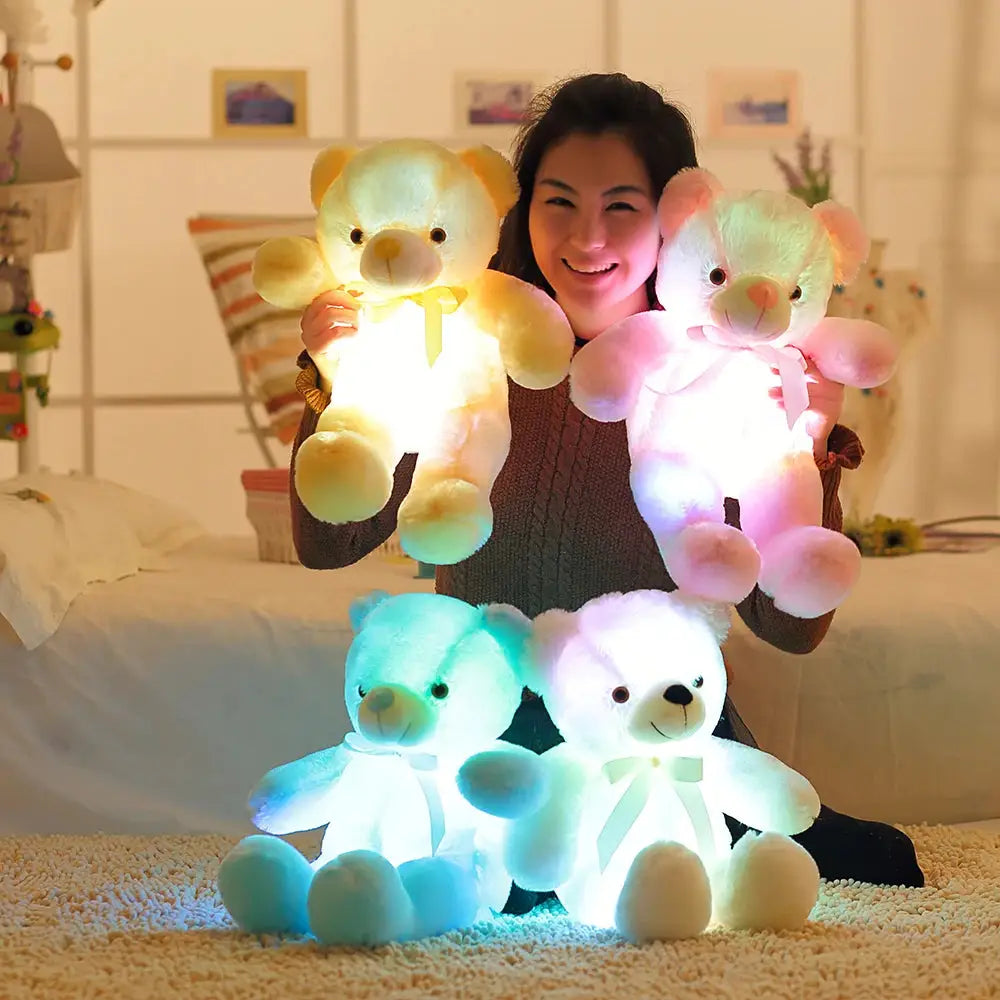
(329, 546)
(784, 631)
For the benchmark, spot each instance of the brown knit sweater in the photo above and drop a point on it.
(566, 528)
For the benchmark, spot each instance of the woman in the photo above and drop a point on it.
(592, 158)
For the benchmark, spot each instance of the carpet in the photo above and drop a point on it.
(135, 917)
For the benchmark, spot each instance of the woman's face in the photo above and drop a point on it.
(593, 228)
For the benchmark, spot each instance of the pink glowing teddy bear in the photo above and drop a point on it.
(744, 280)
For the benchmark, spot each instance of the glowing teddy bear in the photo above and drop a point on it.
(429, 681)
(409, 227)
(744, 280)
(631, 831)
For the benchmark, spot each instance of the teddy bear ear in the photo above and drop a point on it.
(715, 615)
(362, 607)
(550, 631)
(848, 236)
(510, 627)
(689, 191)
(496, 173)
(326, 169)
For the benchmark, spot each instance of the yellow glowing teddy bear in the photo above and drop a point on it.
(409, 227)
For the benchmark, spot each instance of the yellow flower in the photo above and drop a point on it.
(886, 536)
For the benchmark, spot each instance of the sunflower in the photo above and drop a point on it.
(886, 536)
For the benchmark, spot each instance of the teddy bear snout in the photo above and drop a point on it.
(391, 714)
(399, 261)
(677, 694)
(753, 307)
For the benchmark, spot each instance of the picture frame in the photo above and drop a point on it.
(754, 104)
(490, 106)
(259, 103)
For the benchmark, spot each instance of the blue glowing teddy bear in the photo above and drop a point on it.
(429, 682)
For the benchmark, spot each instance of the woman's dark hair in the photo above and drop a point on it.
(658, 132)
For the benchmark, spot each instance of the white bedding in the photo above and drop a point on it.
(163, 697)
(896, 715)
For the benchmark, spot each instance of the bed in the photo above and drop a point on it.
(164, 692)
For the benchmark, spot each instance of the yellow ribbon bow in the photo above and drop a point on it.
(684, 772)
(436, 301)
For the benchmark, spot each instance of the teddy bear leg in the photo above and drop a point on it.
(447, 515)
(358, 900)
(769, 882)
(264, 883)
(344, 471)
(807, 569)
(667, 895)
(444, 894)
(685, 511)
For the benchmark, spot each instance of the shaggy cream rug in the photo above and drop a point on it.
(131, 917)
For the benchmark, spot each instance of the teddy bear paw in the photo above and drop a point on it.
(771, 882)
(809, 570)
(445, 895)
(264, 883)
(341, 477)
(445, 522)
(358, 900)
(666, 896)
(713, 561)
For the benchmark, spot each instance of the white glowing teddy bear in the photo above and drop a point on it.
(409, 227)
(744, 280)
(631, 832)
(429, 681)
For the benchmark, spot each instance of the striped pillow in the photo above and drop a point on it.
(264, 339)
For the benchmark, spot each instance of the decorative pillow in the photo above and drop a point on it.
(264, 339)
(59, 533)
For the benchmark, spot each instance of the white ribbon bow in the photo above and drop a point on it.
(424, 766)
(684, 773)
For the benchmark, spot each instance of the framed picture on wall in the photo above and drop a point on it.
(753, 104)
(490, 106)
(259, 103)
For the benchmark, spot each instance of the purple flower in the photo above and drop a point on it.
(16, 139)
(6, 172)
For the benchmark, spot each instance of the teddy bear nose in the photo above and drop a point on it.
(763, 294)
(387, 248)
(379, 699)
(677, 694)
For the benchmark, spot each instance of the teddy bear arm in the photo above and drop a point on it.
(608, 371)
(295, 796)
(504, 780)
(535, 339)
(290, 271)
(854, 352)
(758, 789)
(542, 848)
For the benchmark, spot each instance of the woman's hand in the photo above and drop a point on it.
(328, 318)
(826, 401)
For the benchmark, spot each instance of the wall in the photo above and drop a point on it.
(149, 398)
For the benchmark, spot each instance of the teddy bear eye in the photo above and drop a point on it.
(357, 237)
(697, 682)
(620, 694)
(717, 276)
(796, 294)
(438, 235)
(440, 691)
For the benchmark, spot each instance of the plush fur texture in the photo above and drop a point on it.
(430, 680)
(630, 830)
(410, 227)
(744, 280)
